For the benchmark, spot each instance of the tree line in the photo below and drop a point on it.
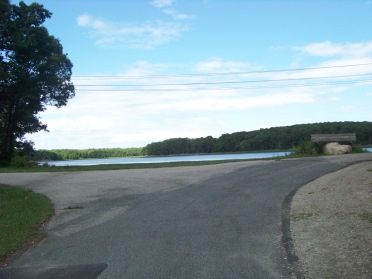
(94, 153)
(278, 138)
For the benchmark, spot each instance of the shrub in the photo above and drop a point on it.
(307, 148)
(358, 149)
(18, 161)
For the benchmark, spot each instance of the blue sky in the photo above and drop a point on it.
(146, 71)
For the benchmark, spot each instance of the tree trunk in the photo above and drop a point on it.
(7, 142)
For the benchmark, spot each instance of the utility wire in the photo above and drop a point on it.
(232, 88)
(220, 82)
(218, 74)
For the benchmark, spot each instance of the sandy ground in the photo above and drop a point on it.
(331, 224)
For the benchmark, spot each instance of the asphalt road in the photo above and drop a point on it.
(221, 221)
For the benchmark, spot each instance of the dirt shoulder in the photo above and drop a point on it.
(331, 224)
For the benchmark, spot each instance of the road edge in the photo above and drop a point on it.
(287, 239)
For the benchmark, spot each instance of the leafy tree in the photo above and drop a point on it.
(203, 145)
(34, 73)
(4, 8)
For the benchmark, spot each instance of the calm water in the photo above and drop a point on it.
(167, 159)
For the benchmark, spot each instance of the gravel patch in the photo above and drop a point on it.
(331, 224)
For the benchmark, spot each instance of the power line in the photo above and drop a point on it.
(221, 82)
(219, 74)
(231, 88)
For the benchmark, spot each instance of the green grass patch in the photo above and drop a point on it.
(367, 216)
(302, 216)
(45, 168)
(21, 214)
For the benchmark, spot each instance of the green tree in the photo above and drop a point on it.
(34, 73)
(4, 9)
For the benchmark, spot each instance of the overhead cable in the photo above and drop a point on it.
(221, 82)
(233, 88)
(82, 77)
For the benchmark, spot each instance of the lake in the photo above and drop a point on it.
(168, 159)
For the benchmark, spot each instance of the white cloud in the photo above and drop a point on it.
(165, 6)
(142, 68)
(329, 49)
(343, 66)
(144, 35)
(212, 101)
(347, 109)
(195, 106)
(161, 3)
(84, 20)
(85, 122)
(176, 15)
(135, 118)
(218, 65)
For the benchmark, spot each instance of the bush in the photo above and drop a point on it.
(358, 149)
(18, 161)
(4, 161)
(307, 148)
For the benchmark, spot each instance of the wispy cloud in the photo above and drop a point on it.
(142, 35)
(336, 64)
(145, 35)
(162, 3)
(166, 7)
(329, 49)
(347, 109)
(177, 15)
(218, 65)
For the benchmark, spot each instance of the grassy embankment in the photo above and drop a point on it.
(22, 214)
(304, 150)
(45, 168)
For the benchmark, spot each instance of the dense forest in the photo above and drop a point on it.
(73, 154)
(278, 138)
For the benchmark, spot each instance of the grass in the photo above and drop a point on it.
(302, 216)
(367, 216)
(22, 212)
(45, 168)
